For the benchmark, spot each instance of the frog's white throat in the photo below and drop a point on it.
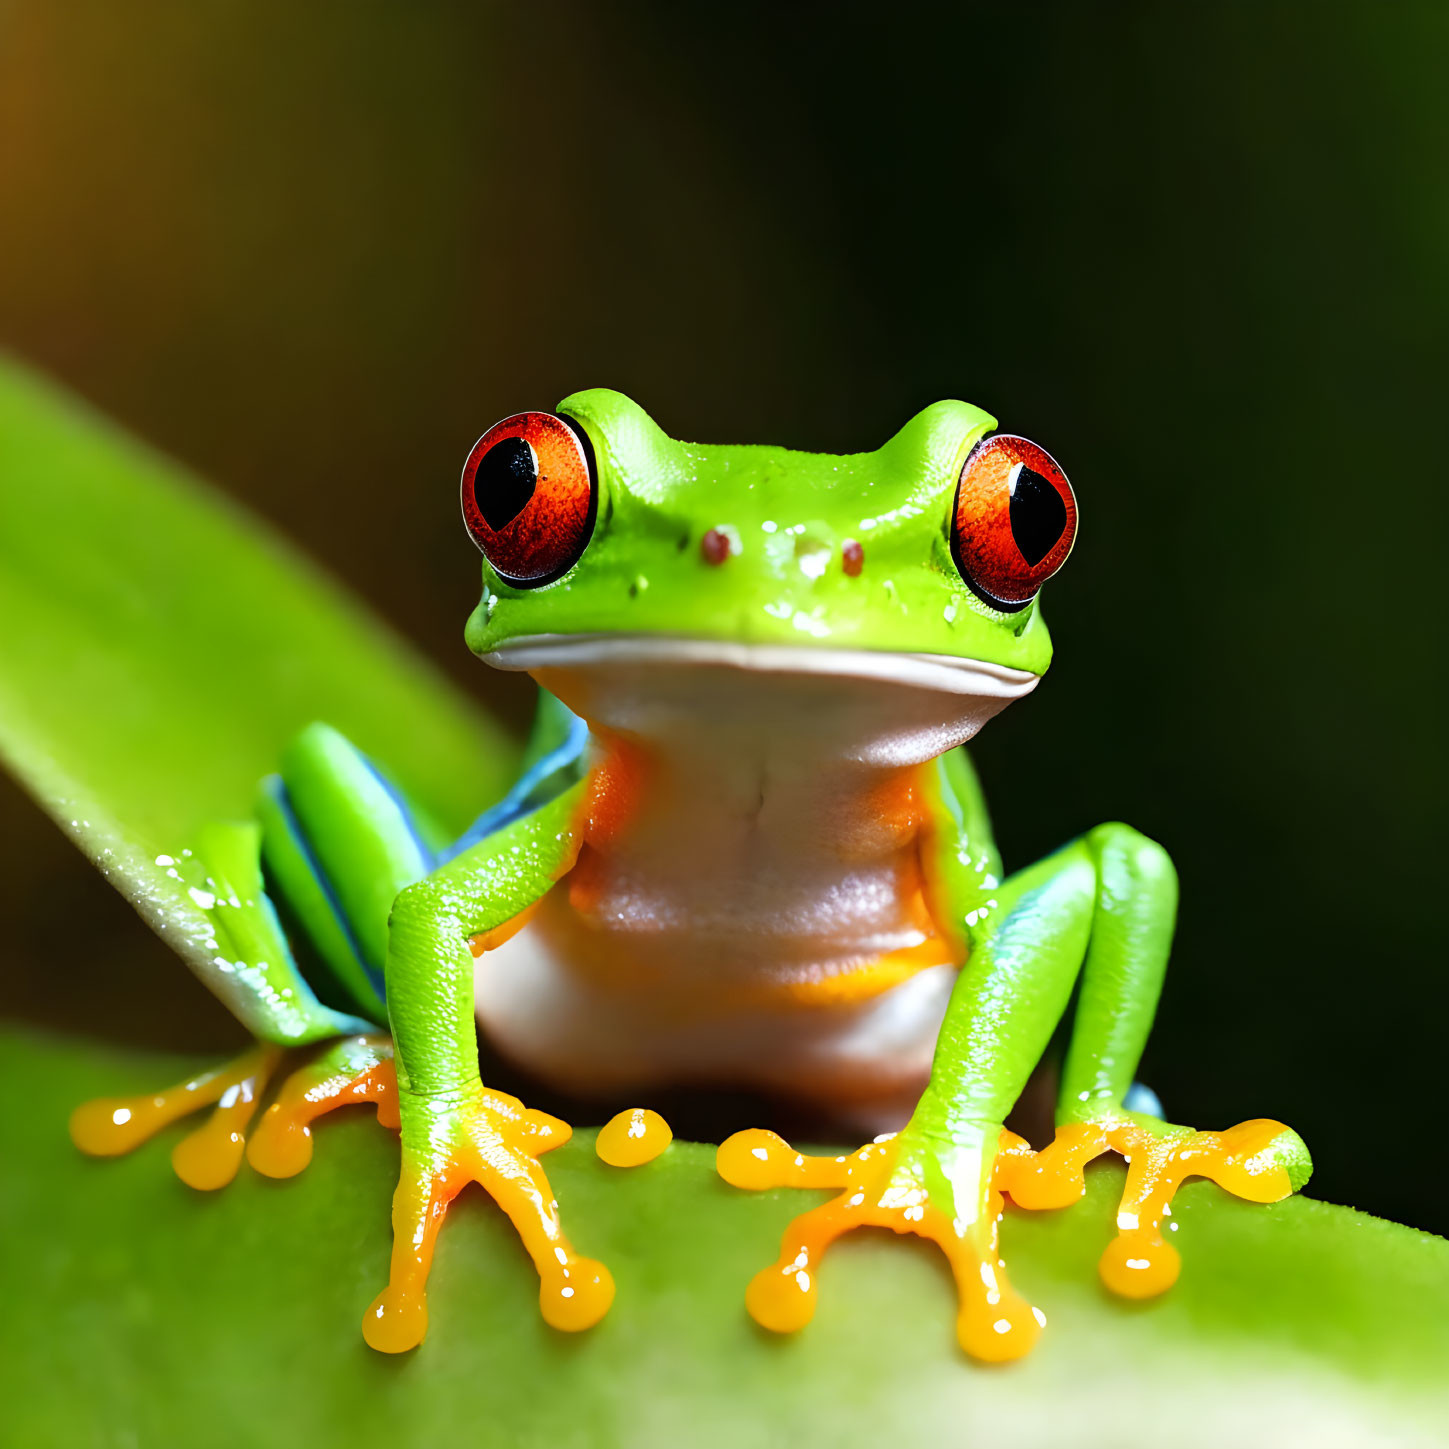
(790, 703)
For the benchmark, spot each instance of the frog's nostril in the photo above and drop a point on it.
(715, 546)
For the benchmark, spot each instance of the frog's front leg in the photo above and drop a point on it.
(454, 1129)
(1104, 906)
(936, 1177)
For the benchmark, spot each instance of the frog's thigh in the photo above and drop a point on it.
(360, 836)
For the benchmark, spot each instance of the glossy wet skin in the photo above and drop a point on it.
(787, 517)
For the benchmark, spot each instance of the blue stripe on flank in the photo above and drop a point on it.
(429, 860)
(518, 801)
(284, 801)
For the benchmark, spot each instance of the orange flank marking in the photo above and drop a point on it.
(585, 884)
(615, 787)
(490, 940)
(843, 988)
(495, 1141)
(895, 804)
(209, 1157)
(1139, 1262)
(994, 1322)
(871, 978)
(354, 1071)
(632, 1137)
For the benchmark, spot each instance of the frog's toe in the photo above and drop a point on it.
(396, 1321)
(1297, 1161)
(355, 1070)
(782, 1296)
(111, 1126)
(880, 1187)
(1261, 1161)
(493, 1140)
(1139, 1263)
(575, 1295)
(633, 1137)
(757, 1159)
(545, 1131)
(207, 1158)
(1055, 1177)
(1290, 1152)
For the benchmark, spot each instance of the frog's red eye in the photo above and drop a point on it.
(530, 496)
(1016, 519)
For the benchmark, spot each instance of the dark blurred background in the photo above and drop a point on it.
(1201, 253)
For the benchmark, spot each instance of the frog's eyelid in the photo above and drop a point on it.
(586, 443)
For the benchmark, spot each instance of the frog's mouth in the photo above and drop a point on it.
(781, 710)
(938, 673)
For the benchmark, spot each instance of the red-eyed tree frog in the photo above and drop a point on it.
(746, 848)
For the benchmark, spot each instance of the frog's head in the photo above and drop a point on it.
(610, 548)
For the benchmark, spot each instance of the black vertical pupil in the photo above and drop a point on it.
(506, 477)
(1038, 515)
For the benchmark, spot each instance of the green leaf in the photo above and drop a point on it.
(161, 646)
(177, 1318)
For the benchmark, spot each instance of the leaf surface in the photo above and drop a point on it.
(233, 1319)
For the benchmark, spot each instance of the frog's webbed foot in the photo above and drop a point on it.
(491, 1139)
(1262, 1161)
(208, 1158)
(896, 1182)
(354, 1070)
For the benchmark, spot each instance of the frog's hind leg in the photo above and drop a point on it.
(1102, 909)
(207, 1158)
(247, 945)
(339, 843)
(1100, 1111)
(356, 1070)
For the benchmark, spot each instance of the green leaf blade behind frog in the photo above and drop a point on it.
(161, 647)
